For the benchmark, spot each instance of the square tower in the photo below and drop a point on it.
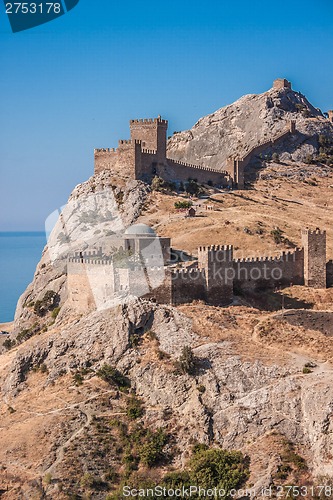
(217, 262)
(152, 132)
(330, 115)
(314, 243)
(281, 83)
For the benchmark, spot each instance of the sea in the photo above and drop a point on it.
(19, 254)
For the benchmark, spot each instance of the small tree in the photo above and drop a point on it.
(187, 360)
(157, 184)
(192, 187)
(276, 158)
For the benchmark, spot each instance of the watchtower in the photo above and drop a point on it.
(281, 83)
(314, 244)
(217, 262)
(152, 132)
(330, 115)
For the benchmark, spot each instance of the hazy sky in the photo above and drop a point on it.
(73, 84)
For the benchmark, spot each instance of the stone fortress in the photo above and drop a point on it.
(95, 278)
(134, 265)
(144, 155)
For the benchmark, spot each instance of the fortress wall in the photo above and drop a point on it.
(80, 295)
(121, 159)
(162, 293)
(329, 273)
(187, 285)
(181, 171)
(260, 273)
(146, 163)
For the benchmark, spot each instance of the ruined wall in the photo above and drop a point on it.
(187, 285)
(281, 83)
(268, 272)
(121, 159)
(314, 243)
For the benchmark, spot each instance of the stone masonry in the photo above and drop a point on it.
(214, 278)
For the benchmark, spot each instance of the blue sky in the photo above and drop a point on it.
(72, 84)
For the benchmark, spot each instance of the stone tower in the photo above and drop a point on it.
(217, 262)
(281, 83)
(314, 244)
(152, 133)
(330, 115)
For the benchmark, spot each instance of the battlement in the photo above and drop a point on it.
(124, 141)
(193, 273)
(149, 151)
(90, 260)
(199, 167)
(316, 231)
(215, 248)
(146, 121)
(285, 256)
(105, 150)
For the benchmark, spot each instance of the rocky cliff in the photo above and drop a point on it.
(235, 129)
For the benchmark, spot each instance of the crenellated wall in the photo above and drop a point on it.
(268, 272)
(93, 280)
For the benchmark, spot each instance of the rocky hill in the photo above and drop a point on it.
(142, 393)
(239, 127)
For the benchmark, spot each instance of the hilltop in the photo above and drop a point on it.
(255, 118)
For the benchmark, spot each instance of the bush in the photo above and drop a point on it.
(192, 187)
(151, 452)
(8, 344)
(49, 302)
(277, 234)
(183, 204)
(113, 376)
(134, 408)
(219, 468)
(306, 370)
(187, 361)
(275, 157)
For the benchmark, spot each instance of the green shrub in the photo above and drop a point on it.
(187, 361)
(306, 370)
(48, 303)
(151, 452)
(192, 187)
(55, 312)
(134, 408)
(8, 344)
(183, 204)
(218, 468)
(277, 234)
(47, 478)
(114, 377)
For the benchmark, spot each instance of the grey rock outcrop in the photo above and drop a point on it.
(235, 129)
(94, 209)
